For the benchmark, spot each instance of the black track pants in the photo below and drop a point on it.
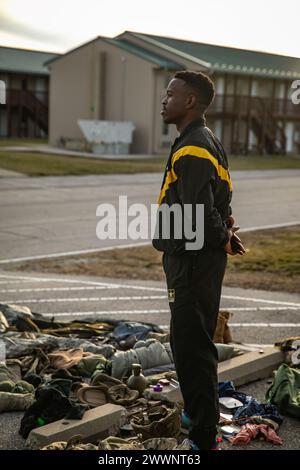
(194, 287)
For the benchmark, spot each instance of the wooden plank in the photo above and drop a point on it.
(241, 370)
(250, 366)
(97, 423)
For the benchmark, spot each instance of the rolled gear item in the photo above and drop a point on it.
(15, 401)
(155, 354)
(93, 395)
(122, 395)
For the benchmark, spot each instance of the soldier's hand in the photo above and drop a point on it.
(234, 245)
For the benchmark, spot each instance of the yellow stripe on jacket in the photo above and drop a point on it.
(194, 151)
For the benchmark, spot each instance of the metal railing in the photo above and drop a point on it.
(35, 102)
(242, 105)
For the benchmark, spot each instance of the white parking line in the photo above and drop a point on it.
(105, 312)
(268, 227)
(50, 289)
(19, 282)
(254, 299)
(258, 309)
(74, 253)
(92, 283)
(265, 325)
(85, 299)
(149, 288)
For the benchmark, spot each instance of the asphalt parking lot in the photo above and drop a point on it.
(259, 319)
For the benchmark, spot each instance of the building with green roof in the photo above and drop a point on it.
(26, 79)
(124, 78)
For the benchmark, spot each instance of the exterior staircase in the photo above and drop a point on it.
(270, 134)
(36, 109)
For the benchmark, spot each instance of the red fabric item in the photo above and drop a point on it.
(250, 431)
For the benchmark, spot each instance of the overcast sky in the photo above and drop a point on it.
(60, 25)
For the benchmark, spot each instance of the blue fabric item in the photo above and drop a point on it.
(254, 408)
(227, 389)
(125, 329)
(251, 406)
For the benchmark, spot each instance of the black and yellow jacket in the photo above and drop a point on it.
(197, 173)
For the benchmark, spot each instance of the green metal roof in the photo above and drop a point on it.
(24, 61)
(228, 59)
(139, 51)
(144, 54)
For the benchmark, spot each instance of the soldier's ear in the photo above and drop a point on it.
(191, 101)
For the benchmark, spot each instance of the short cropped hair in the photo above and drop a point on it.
(200, 83)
